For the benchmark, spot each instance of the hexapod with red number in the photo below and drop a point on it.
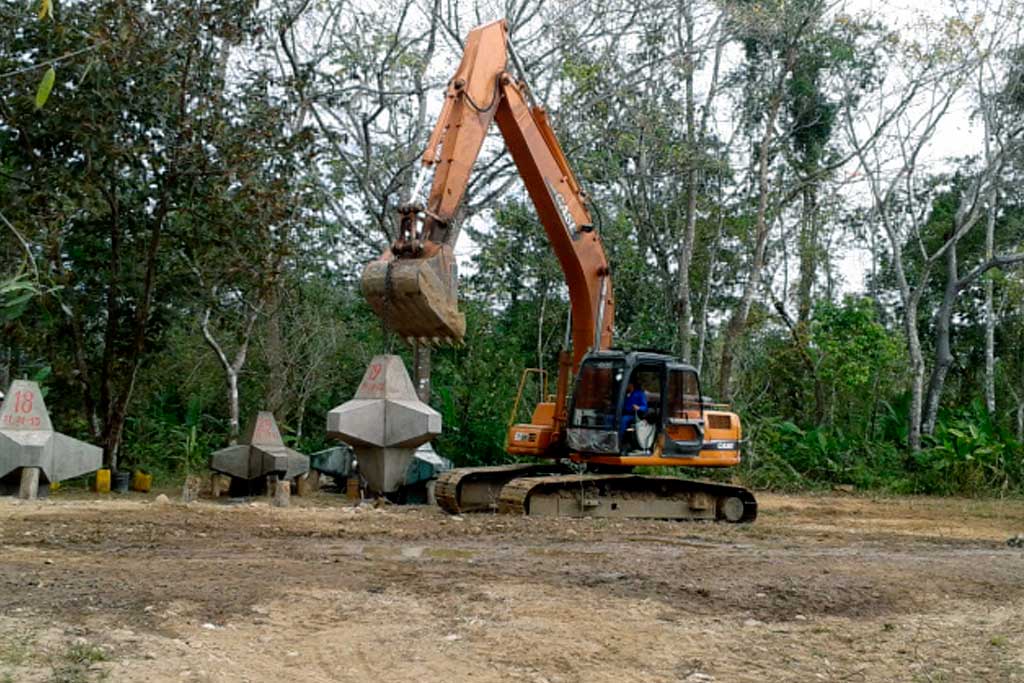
(31, 452)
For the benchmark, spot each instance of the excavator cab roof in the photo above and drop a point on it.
(634, 358)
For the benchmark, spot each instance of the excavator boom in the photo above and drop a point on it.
(412, 286)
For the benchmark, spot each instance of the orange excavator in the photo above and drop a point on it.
(626, 409)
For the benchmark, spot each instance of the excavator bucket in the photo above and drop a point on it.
(416, 296)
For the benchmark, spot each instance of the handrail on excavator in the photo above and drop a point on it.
(512, 419)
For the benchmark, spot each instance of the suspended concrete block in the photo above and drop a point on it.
(384, 423)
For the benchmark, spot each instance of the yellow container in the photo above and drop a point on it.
(54, 485)
(141, 481)
(102, 483)
(352, 488)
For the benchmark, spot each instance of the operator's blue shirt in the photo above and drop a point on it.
(637, 400)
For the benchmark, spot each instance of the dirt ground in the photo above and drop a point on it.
(839, 588)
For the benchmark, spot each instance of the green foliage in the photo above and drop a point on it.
(970, 454)
(851, 346)
(863, 439)
(476, 386)
(171, 439)
(15, 295)
(45, 87)
(783, 456)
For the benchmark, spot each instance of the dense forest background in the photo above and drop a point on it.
(816, 204)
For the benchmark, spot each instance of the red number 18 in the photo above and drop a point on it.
(23, 401)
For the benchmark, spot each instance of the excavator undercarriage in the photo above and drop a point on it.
(478, 489)
(517, 489)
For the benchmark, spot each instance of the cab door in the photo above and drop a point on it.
(683, 416)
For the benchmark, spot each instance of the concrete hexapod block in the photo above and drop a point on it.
(27, 439)
(384, 423)
(261, 453)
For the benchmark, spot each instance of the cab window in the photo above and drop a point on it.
(597, 390)
(684, 394)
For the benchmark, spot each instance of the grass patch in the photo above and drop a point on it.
(15, 652)
(76, 664)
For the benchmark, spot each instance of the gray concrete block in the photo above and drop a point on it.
(28, 440)
(384, 423)
(261, 453)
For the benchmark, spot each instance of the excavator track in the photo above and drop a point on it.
(627, 495)
(477, 489)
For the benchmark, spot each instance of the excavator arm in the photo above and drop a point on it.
(412, 286)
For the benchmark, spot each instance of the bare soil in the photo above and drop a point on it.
(839, 588)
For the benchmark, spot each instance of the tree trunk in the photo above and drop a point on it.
(910, 299)
(421, 370)
(233, 368)
(685, 252)
(916, 378)
(987, 112)
(705, 299)
(738, 322)
(1020, 421)
(118, 411)
(702, 324)
(300, 418)
(808, 254)
(233, 417)
(111, 332)
(943, 348)
(990, 318)
(702, 319)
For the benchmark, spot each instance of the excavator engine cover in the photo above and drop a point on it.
(416, 295)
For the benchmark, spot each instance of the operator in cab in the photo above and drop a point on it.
(635, 406)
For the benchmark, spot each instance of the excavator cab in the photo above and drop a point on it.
(601, 424)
